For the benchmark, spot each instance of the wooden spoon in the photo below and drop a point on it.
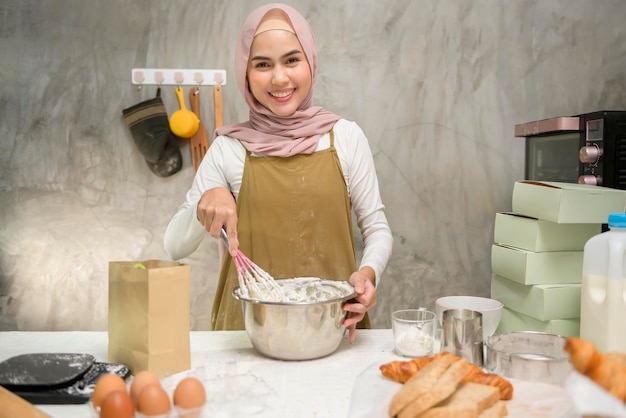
(219, 113)
(217, 99)
(200, 140)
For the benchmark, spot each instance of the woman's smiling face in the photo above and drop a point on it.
(279, 75)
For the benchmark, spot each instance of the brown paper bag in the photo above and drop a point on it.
(149, 313)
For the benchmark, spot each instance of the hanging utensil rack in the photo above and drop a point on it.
(188, 77)
(178, 77)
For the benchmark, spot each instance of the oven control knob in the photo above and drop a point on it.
(589, 154)
(590, 179)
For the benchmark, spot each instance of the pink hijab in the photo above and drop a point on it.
(265, 133)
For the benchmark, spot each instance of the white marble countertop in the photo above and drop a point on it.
(317, 388)
(346, 384)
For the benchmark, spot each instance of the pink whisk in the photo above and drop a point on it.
(253, 280)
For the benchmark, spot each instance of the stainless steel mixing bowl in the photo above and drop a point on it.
(294, 331)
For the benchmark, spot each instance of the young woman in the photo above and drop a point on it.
(284, 183)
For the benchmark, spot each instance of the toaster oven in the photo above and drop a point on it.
(589, 149)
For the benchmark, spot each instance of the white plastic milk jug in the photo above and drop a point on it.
(603, 291)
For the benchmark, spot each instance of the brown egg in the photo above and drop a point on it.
(189, 393)
(153, 400)
(106, 384)
(117, 404)
(140, 381)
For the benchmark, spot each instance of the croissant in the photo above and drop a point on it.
(607, 370)
(490, 379)
(401, 371)
(618, 357)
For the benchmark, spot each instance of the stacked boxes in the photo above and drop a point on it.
(537, 255)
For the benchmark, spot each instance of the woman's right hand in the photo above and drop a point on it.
(216, 209)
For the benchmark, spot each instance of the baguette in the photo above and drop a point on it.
(420, 383)
(443, 388)
(469, 400)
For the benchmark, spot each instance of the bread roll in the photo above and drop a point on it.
(401, 371)
(470, 399)
(420, 383)
(444, 387)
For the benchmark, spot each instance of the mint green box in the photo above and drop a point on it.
(540, 301)
(537, 235)
(515, 321)
(528, 267)
(566, 202)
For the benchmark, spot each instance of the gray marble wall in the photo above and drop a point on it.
(437, 85)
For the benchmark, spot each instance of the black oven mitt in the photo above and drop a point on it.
(150, 129)
(55, 378)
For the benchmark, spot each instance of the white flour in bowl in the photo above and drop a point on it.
(313, 289)
(309, 289)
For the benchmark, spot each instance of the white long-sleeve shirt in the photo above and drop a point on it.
(223, 165)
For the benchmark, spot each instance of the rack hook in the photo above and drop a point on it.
(179, 77)
(218, 78)
(139, 78)
(199, 79)
(159, 78)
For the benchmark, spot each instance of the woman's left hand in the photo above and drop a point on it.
(363, 282)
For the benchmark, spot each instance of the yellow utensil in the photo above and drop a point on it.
(183, 123)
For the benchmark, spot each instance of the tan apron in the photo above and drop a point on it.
(294, 221)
